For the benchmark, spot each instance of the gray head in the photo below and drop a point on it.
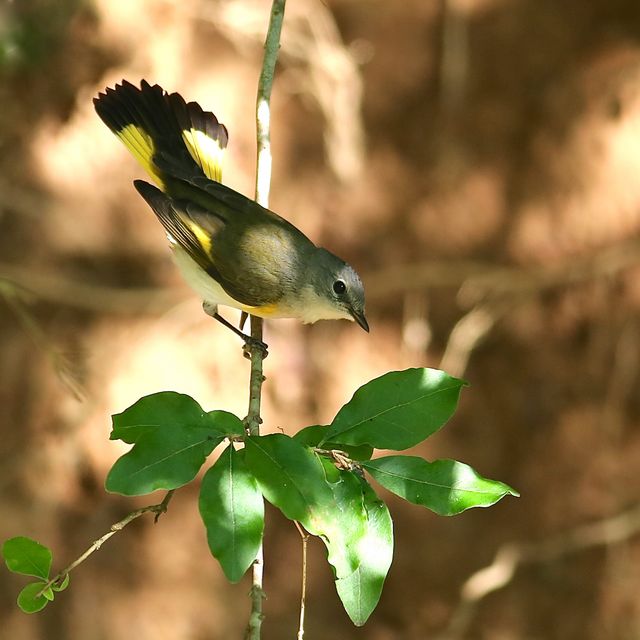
(335, 290)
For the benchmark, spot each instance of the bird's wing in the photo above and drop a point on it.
(243, 258)
(194, 237)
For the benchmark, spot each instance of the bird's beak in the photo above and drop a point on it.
(358, 316)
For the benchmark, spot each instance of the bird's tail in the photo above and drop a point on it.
(168, 136)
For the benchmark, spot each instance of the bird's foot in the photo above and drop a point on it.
(250, 343)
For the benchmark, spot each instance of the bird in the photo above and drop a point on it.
(231, 251)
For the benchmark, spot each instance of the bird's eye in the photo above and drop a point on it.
(339, 287)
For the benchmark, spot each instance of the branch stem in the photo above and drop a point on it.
(303, 592)
(158, 509)
(263, 108)
(263, 184)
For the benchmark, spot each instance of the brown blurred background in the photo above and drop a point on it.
(477, 161)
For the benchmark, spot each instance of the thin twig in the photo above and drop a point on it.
(263, 184)
(303, 592)
(158, 509)
(468, 332)
(480, 280)
(77, 293)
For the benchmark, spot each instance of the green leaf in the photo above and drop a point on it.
(28, 557)
(172, 437)
(289, 475)
(397, 410)
(232, 509)
(293, 478)
(347, 514)
(311, 437)
(63, 585)
(444, 486)
(360, 592)
(161, 461)
(29, 600)
(166, 410)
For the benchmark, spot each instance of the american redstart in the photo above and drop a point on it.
(230, 250)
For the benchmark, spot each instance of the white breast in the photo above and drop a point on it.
(200, 281)
(308, 307)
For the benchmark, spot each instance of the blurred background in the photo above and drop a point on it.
(477, 161)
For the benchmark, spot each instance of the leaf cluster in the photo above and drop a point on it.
(30, 558)
(318, 478)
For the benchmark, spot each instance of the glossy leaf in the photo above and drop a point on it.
(29, 600)
(172, 437)
(347, 514)
(293, 478)
(444, 486)
(361, 591)
(28, 557)
(168, 410)
(232, 509)
(397, 410)
(161, 461)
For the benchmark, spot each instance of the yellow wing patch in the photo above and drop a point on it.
(207, 152)
(201, 235)
(140, 144)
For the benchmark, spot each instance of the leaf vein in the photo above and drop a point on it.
(398, 406)
(169, 456)
(430, 483)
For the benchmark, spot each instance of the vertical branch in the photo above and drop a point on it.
(256, 378)
(263, 109)
(303, 592)
(263, 182)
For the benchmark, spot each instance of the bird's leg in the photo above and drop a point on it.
(212, 310)
(244, 316)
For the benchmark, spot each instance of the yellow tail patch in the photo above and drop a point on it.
(156, 127)
(206, 152)
(140, 144)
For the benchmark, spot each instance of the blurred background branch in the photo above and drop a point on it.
(512, 557)
(320, 67)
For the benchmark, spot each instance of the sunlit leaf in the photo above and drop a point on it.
(232, 509)
(347, 515)
(361, 591)
(293, 479)
(444, 486)
(397, 410)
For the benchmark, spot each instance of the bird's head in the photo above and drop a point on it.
(332, 290)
